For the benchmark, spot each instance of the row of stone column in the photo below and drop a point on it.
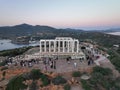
(70, 45)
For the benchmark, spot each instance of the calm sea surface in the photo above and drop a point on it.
(115, 33)
(6, 44)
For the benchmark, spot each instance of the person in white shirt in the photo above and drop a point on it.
(75, 64)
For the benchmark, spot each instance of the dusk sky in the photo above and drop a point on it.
(83, 14)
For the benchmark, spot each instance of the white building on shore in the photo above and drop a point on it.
(61, 46)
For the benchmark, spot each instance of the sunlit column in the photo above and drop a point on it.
(68, 46)
(40, 47)
(63, 46)
(58, 46)
(77, 46)
(49, 46)
(73, 46)
(45, 45)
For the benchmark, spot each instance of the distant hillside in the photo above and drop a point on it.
(27, 30)
(39, 32)
(113, 30)
(101, 38)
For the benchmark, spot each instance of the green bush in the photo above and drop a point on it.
(85, 85)
(103, 71)
(116, 62)
(116, 84)
(58, 80)
(45, 80)
(115, 59)
(16, 83)
(118, 50)
(27, 76)
(106, 84)
(67, 87)
(102, 77)
(76, 74)
(96, 77)
(35, 74)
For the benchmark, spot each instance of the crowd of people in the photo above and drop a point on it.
(29, 63)
(18, 62)
(49, 62)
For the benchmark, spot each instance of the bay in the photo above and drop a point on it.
(115, 33)
(6, 44)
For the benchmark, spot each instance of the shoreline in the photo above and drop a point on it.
(114, 33)
(7, 44)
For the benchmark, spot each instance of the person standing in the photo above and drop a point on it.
(46, 68)
(54, 64)
(75, 64)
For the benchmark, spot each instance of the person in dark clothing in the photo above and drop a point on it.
(92, 61)
(80, 59)
(89, 62)
(51, 64)
(54, 64)
(87, 57)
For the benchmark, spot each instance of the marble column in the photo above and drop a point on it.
(68, 46)
(63, 46)
(49, 46)
(73, 46)
(40, 47)
(54, 46)
(45, 46)
(58, 46)
(77, 46)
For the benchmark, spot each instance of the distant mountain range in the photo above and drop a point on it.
(38, 32)
(30, 29)
(113, 30)
(27, 30)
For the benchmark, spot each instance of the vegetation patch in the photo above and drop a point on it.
(118, 50)
(58, 80)
(85, 85)
(45, 80)
(76, 74)
(16, 83)
(35, 74)
(101, 78)
(67, 87)
(14, 52)
(103, 71)
(115, 59)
